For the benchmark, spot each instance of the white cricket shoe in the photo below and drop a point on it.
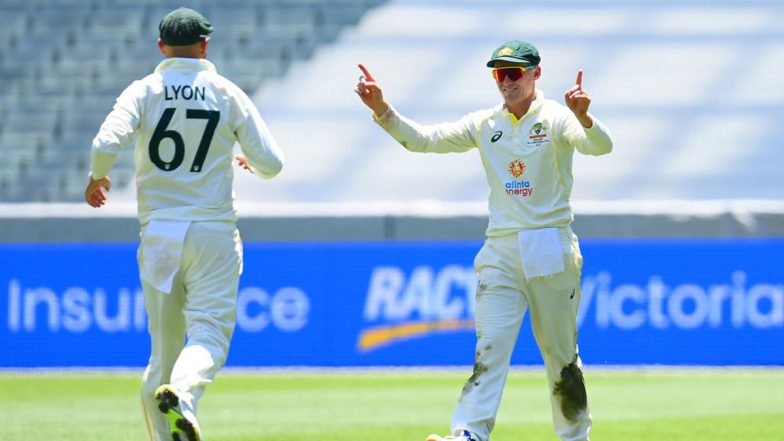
(181, 418)
(465, 436)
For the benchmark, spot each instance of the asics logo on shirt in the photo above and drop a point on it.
(496, 136)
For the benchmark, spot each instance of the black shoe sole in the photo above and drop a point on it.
(168, 403)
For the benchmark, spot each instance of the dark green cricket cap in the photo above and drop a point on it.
(516, 51)
(183, 26)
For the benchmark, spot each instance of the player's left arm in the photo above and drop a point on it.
(242, 161)
(586, 133)
(116, 132)
(578, 101)
(97, 191)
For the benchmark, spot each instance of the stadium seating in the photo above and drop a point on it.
(63, 63)
(689, 89)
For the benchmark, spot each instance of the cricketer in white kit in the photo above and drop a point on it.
(184, 120)
(531, 259)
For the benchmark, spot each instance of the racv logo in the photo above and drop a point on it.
(426, 301)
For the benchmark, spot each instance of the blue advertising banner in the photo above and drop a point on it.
(670, 302)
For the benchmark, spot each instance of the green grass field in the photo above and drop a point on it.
(640, 405)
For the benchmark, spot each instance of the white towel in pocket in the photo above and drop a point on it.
(162, 243)
(541, 252)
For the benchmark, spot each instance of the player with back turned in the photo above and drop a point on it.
(184, 119)
(531, 259)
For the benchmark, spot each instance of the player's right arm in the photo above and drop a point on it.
(261, 154)
(370, 92)
(459, 136)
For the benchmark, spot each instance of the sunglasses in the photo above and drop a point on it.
(514, 73)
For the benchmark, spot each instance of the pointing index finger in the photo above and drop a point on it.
(366, 72)
(580, 78)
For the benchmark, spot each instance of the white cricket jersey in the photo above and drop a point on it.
(528, 162)
(184, 119)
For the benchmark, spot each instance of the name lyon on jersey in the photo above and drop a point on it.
(185, 92)
(518, 187)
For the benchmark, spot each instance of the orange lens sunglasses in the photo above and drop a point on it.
(514, 73)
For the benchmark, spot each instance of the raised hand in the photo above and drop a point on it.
(370, 93)
(97, 191)
(578, 101)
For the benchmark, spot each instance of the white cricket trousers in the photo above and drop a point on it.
(502, 299)
(202, 305)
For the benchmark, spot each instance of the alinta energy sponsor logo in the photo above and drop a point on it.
(539, 134)
(428, 301)
(516, 168)
(518, 187)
